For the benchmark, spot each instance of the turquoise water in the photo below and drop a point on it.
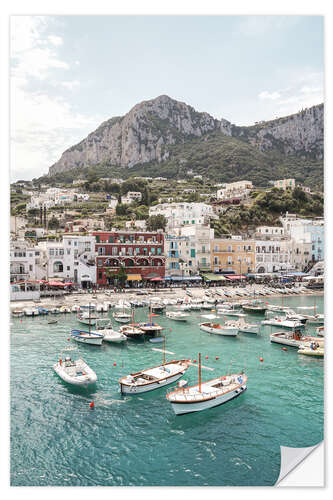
(56, 439)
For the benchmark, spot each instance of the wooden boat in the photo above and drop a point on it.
(121, 317)
(84, 337)
(217, 329)
(150, 328)
(17, 313)
(73, 369)
(132, 331)
(157, 308)
(207, 394)
(256, 307)
(86, 318)
(293, 339)
(52, 322)
(153, 378)
(314, 349)
(230, 312)
(177, 315)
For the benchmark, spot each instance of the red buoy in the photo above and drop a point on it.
(206, 357)
(68, 339)
(92, 404)
(217, 358)
(284, 349)
(114, 364)
(194, 361)
(261, 359)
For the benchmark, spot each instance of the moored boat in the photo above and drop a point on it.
(153, 378)
(314, 349)
(73, 369)
(292, 338)
(104, 326)
(217, 329)
(84, 337)
(283, 323)
(86, 318)
(177, 315)
(256, 307)
(207, 394)
(132, 331)
(17, 313)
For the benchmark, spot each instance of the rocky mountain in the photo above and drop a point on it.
(148, 131)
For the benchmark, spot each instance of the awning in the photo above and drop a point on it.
(235, 277)
(134, 277)
(55, 283)
(213, 277)
(183, 278)
(156, 279)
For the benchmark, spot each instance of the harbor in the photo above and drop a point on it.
(283, 402)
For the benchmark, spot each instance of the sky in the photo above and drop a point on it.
(70, 73)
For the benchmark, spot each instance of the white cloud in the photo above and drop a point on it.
(55, 40)
(71, 85)
(42, 125)
(269, 95)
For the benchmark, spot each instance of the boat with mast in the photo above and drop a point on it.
(121, 316)
(293, 338)
(255, 307)
(153, 378)
(87, 337)
(207, 394)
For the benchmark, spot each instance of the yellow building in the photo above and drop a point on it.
(233, 255)
(285, 183)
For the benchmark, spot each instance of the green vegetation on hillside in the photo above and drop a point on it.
(266, 209)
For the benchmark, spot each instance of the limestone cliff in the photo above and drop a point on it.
(145, 132)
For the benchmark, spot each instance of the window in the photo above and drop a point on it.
(68, 268)
(30, 267)
(58, 267)
(100, 276)
(229, 248)
(192, 252)
(68, 251)
(51, 251)
(61, 251)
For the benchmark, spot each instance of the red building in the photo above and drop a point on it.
(141, 254)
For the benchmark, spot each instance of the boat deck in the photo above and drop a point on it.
(211, 389)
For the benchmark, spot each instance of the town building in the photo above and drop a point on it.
(141, 254)
(284, 184)
(273, 254)
(234, 190)
(136, 224)
(130, 197)
(23, 261)
(72, 259)
(182, 214)
(232, 255)
(307, 231)
(268, 231)
(187, 249)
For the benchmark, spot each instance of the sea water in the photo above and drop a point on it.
(57, 439)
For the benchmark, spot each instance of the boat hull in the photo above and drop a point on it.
(227, 332)
(124, 389)
(182, 408)
(83, 381)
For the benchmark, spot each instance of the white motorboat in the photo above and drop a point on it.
(84, 337)
(64, 310)
(104, 326)
(217, 329)
(55, 310)
(244, 327)
(121, 317)
(292, 339)
(207, 305)
(177, 315)
(207, 394)
(75, 309)
(283, 323)
(230, 312)
(185, 307)
(73, 369)
(153, 378)
(320, 330)
(317, 319)
(256, 307)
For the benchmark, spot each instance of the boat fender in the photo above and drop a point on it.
(261, 360)
(60, 361)
(91, 404)
(114, 364)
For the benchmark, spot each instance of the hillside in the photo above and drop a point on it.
(167, 137)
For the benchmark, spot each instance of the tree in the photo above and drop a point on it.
(156, 222)
(121, 276)
(53, 223)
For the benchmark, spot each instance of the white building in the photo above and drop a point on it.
(113, 202)
(136, 224)
(306, 231)
(268, 231)
(182, 214)
(130, 197)
(22, 261)
(239, 189)
(273, 255)
(72, 259)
